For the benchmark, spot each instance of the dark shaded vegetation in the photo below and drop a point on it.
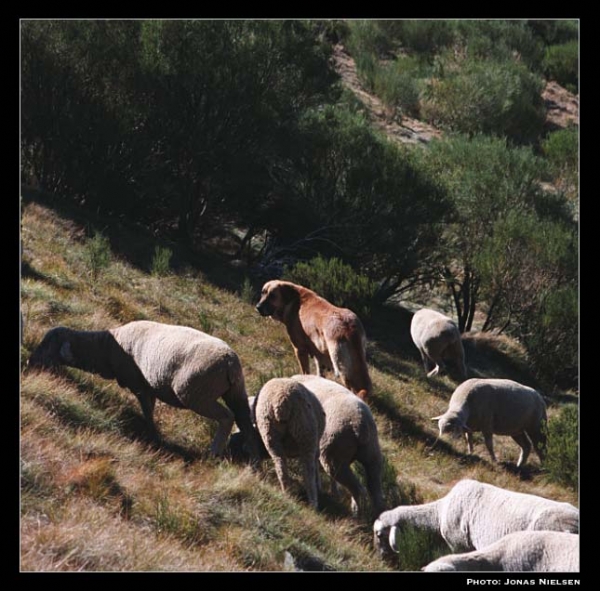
(232, 145)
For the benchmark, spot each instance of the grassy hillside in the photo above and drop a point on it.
(98, 495)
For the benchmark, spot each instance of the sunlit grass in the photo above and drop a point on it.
(98, 494)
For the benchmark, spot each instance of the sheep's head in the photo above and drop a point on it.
(384, 539)
(451, 424)
(54, 350)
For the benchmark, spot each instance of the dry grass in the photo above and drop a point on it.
(98, 495)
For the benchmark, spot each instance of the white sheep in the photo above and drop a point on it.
(497, 406)
(438, 340)
(178, 365)
(523, 551)
(474, 515)
(290, 422)
(350, 435)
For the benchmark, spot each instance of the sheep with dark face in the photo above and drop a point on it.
(350, 435)
(291, 421)
(439, 342)
(523, 551)
(497, 406)
(178, 365)
(474, 515)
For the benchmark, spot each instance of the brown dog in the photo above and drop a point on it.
(334, 337)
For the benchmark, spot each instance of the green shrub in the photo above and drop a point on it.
(421, 36)
(161, 261)
(561, 63)
(397, 85)
(97, 254)
(367, 36)
(418, 547)
(561, 149)
(336, 281)
(562, 460)
(499, 98)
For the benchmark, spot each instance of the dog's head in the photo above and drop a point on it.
(276, 297)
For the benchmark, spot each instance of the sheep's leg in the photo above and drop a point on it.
(538, 438)
(273, 444)
(310, 473)
(147, 402)
(373, 469)
(489, 443)
(469, 438)
(214, 410)
(428, 364)
(345, 477)
(523, 441)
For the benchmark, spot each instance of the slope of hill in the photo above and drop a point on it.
(562, 106)
(98, 495)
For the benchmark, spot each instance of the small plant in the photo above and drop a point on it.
(561, 63)
(418, 547)
(97, 254)
(161, 261)
(206, 323)
(562, 459)
(247, 292)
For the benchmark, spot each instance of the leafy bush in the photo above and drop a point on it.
(561, 63)
(498, 98)
(398, 85)
(367, 36)
(336, 281)
(97, 254)
(421, 36)
(418, 547)
(161, 261)
(561, 149)
(562, 460)
(501, 40)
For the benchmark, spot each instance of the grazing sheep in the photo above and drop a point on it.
(523, 551)
(290, 421)
(437, 338)
(350, 435)
(474, 515)
(178, 365)
(501, 407)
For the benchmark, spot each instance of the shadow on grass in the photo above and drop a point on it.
(136, 244)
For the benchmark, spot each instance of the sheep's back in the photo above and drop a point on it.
(429, 325)
(174, 356)
(504, 405)
(349, 424)
(486, 513)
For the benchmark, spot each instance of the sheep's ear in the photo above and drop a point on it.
(66, 354)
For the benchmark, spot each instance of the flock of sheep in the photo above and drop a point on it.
(323, 423)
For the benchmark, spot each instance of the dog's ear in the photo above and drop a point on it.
(288, 293)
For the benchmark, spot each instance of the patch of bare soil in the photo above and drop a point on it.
(562, 107)
(408, 130)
